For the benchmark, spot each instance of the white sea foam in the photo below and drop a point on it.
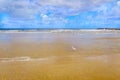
(15, 59)
(25, 59)
(52, 59)
(58, 31)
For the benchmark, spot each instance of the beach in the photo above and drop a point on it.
(60, 55)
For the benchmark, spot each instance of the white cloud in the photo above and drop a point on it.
(115, 11)
(46, 22)
(25, 11)
(118, 3)
(29, 8)
(108, 11)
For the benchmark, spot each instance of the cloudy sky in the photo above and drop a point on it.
(59, 13)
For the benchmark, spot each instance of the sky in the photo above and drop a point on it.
(59, 13)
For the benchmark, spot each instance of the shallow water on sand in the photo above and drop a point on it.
(60, 56)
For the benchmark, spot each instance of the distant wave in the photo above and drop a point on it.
(56, 31)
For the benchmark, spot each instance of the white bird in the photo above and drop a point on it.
(73, 48)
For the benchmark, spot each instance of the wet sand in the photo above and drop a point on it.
(86, 55)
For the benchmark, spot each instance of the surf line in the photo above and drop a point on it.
(25, 59)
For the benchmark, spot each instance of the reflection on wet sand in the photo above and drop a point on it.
(60, 56)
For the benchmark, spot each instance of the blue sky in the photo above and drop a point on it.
(59, 13)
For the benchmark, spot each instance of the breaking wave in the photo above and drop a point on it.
(59, 31)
